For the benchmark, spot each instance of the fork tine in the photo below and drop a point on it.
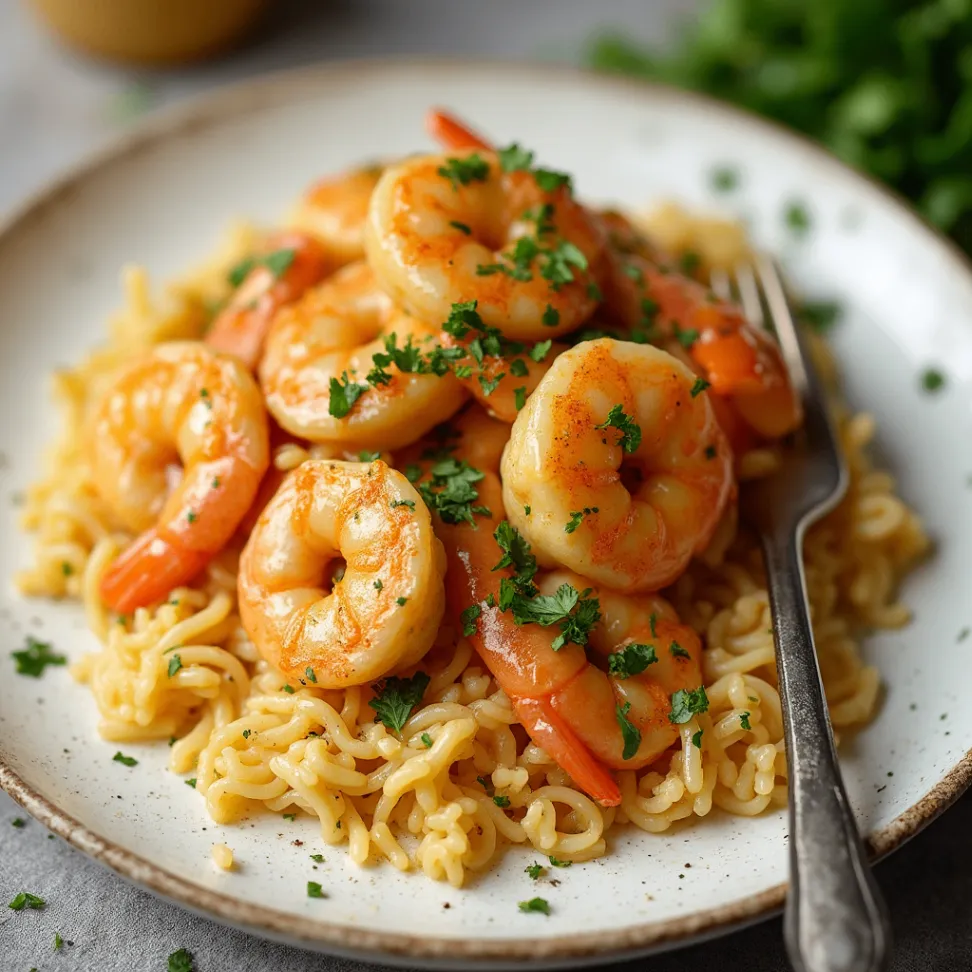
(720, 284)
(749, 295)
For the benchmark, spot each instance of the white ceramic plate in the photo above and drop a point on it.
(163, 197)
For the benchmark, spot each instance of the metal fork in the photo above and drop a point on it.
(835, 919)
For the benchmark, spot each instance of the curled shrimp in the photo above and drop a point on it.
(570, 707)
(290, 263)
(333, 211)
(185, 402)
(445, 230)
(331, 335)
(383, 608)
(741, 363)
(622, 464)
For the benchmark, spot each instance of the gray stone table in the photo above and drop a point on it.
(54, 108)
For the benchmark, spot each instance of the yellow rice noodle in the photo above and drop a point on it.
(425, 800)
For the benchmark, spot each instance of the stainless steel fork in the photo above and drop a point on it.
(835, 918)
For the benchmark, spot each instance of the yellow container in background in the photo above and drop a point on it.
(150, 31)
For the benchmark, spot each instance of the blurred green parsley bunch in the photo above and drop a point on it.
(885, 84)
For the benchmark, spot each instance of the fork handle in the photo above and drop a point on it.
(835, 918)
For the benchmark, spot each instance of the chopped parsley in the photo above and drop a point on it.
(594, 292)
(555, 862)
(574, 611)
(35, 657)
(318, 858)
(797, 218)
(290, 816)
(66, 569)
(501, 801)
(396, 503)
(629, 429)
(461, 172)
(289, 689)
(677, 651)
(526, 510)
(489, 386)
(450, 491)
(462, 227)
(686, 336)
(519, 398)
(401, 601)
(540, 350)
(575, 518)
(246, 735)
(687, 703)
(366, 456)
(516, 554)
(551, 316)
(175, 663)
(314, 890)
(518, 368)
(932, 380)
(343, 394)
(311, 677)
(689, 262)
(18, 822)
(277, 262)
(191, 782)
(26, 900)
(700, 386)
(515, 158)
(539, 905)
(534, 870)
(632, 659)
(629, 732)
(426, 740)
(397, 697)
(697, 739)
(58, 941)
(120, 757)
(180, 961)
(191, 516)
(710, 452)
(724, 179)
(468, 619)
(377, 585)
(820, 315)
(744, 721)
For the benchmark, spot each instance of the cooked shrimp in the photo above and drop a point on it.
(381, 614)
(290, 263)
(334, 210)
(622, 463)
(183, 401)
(569, 706)
(331, 336)
(447, 230)
(658, 303)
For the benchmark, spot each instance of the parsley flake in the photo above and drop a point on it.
(318, 858)
(540, 350)
(396, 503)
(687, 703)
(501, 801)
(401, 601)
(450, 491)
(489, 386)
(744, 721)
(574, 611)
(35, 657)
(539, 905)
(797, 218)
(366, 456)
(932, 380)
(181, 961)
(120, 757)
(697, 739)
(426, 740)
(461, 172)
(191, 782)
(534, 870)
(677, 651)
(58, 941)
(558, 863)
(377, 585)
(629, 732)
(518, 368)
(724, 179)
(277, 262)
(314, 890)
(343, 394)
(629, 429)
(175, 663)
(551, 316)
(575, 518)
(632, 659)
(26, 900)
(18, 822)
(462, 227)
(397, 697)
(311, 677)
(700, 386)
(519, 398)
(468, 619)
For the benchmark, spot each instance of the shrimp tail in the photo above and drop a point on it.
(447, 130)
(558, 740)
(148, 570)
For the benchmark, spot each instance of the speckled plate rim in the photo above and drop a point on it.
(584, 947)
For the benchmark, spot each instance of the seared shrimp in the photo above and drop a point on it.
(290, 263)
(381, 614)
(657, 303)
(334, 211)
(446, 230)
(586, 719)
(182, 402)
(330, 338)
(623, 466)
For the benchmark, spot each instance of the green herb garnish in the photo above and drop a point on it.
(397, 697)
